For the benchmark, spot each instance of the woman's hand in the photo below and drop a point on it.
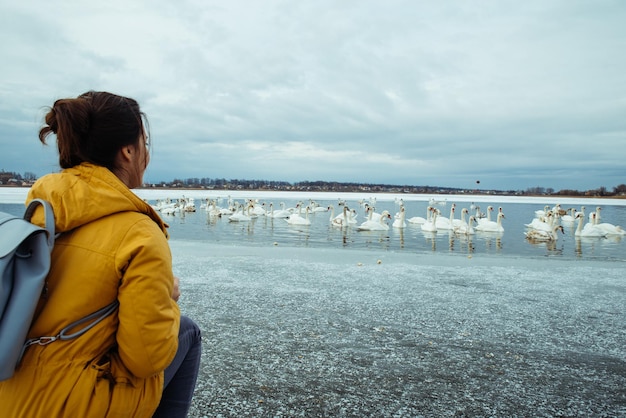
(176, 290)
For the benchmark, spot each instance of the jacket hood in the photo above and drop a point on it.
(85, 193)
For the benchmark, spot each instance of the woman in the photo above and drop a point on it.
(143, 359)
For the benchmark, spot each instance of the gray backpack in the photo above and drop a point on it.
(25, 251)
(24, 263)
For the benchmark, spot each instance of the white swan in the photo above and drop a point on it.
(597, 215)
(240, 215)
(297, 219)
(279, 213)
(294, 209)
(258, 210)
(446, 223)
(538, 235)
(486, 219)
(316, 207)
(372, 215)
(543, 223)
(466, 228)
(399, 221)
(542, 212)
(569, 217)
(189, 204)
(459, 222)
(419, 219)
(431, 223)
(211, 208)
(352, 215)
(589, 229)
(376, 225)
(557, 211)
(610, 229)
(270, 211)
(171, 210)
(443, 223)
(491, 226)
(433, 202)
(225, 212)
(340, 220)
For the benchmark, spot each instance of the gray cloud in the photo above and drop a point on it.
(513, 94)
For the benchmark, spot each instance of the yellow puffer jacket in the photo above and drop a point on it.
(112, 245)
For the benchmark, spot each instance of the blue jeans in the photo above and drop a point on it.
(182, 373)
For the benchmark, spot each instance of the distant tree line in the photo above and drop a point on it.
(8, 178)
(15, 179)
(330, 186)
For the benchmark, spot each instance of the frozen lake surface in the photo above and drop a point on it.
(312, 324)
(306, 332)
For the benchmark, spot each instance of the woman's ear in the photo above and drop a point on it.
(126, 153)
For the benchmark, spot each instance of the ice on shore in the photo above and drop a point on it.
(322, 332)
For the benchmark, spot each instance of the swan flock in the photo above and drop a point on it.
(545, 226)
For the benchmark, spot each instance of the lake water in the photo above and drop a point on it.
(266, 231)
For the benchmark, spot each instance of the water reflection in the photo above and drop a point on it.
(465, 243)
(401, 237)
(492, 240)
(594, 246)
(430, 238)
(552, 248)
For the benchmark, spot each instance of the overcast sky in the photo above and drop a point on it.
(514, 94)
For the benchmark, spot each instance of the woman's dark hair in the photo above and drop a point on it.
(93, 127)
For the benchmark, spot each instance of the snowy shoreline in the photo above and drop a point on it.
(304, 332)
(18, 195)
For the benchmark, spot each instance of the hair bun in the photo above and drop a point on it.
(51, 121)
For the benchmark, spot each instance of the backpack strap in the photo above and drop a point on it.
(49, 218)
(98, 315)
(64, 335)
